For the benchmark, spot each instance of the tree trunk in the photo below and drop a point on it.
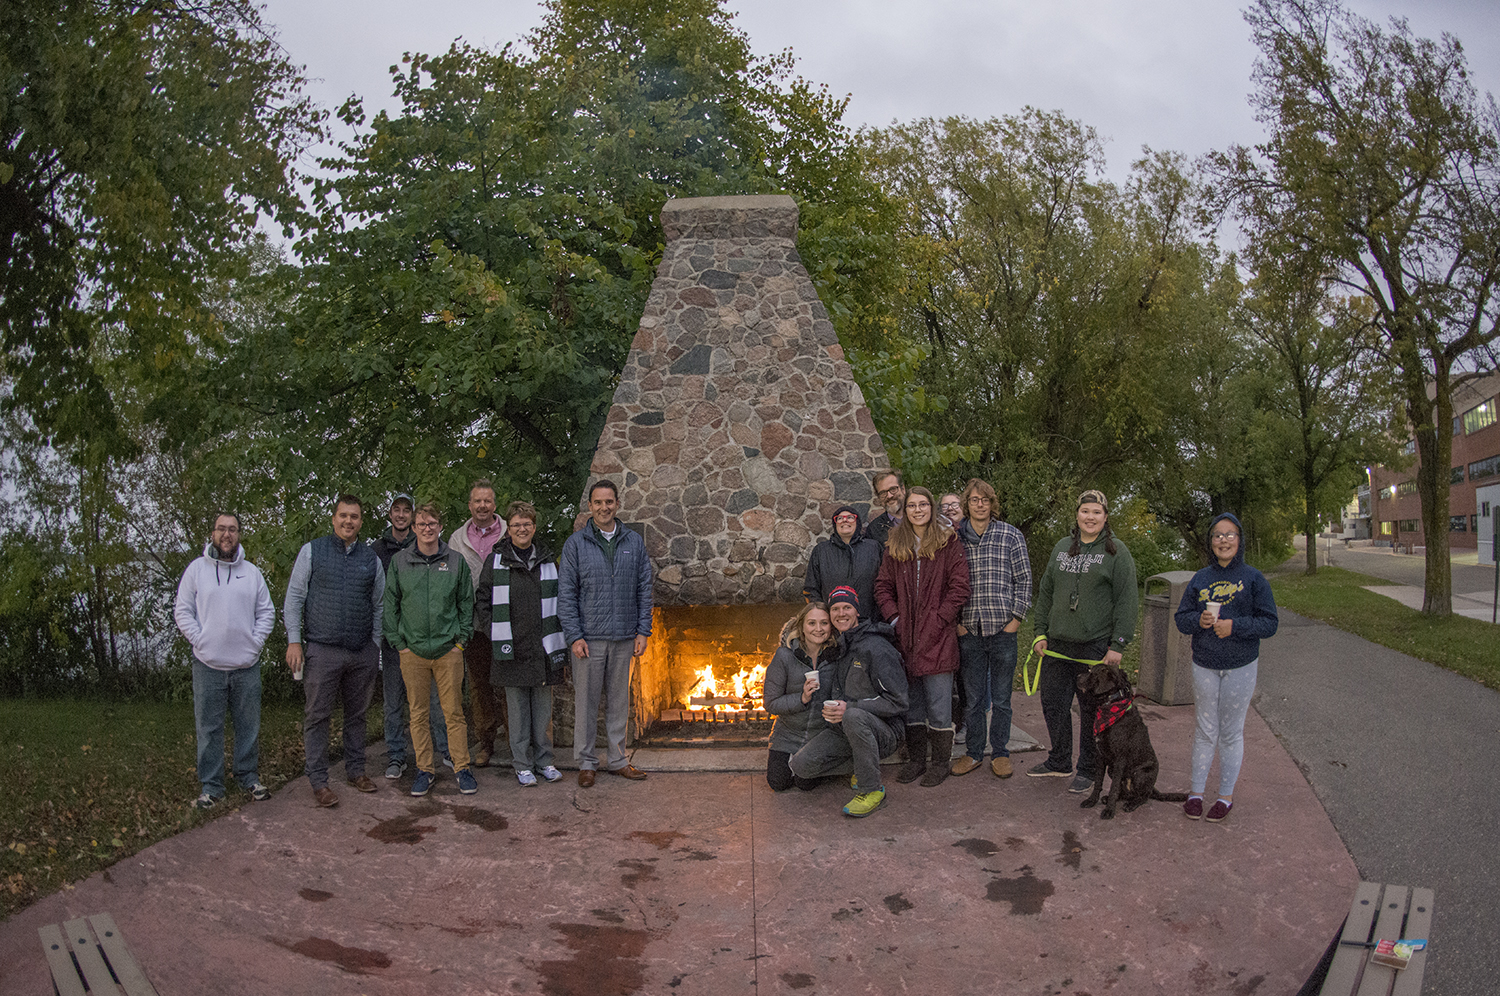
(1435, 453)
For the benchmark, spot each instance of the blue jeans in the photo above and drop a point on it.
(988, 667)
(930, 701)
(397, 730)
(331, 675)
(603, 676)
(236, 692)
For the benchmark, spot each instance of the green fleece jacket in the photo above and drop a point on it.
(429, 601)
(1107, 598)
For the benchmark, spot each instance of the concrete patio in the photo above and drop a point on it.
(710, 883)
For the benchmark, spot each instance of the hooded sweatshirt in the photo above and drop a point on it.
(224, 609)
(1243, 594)
(835, 562)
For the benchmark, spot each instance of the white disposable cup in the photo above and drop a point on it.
(814, 676)
(1213, 609)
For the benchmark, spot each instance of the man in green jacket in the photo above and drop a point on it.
(429, 608)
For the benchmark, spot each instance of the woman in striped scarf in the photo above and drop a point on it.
(517, 603)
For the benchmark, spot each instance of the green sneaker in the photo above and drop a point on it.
(866, 803)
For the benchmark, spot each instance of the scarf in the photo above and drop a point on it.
(500, 632)
(1110, 712)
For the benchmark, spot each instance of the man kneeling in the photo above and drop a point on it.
(865, 705)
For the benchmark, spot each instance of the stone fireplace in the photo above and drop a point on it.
(736, 430)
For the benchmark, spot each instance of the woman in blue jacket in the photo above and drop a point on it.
(1228, 609)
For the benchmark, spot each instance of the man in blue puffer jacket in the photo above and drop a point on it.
(604, 606)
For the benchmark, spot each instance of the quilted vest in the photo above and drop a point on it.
(339, 611)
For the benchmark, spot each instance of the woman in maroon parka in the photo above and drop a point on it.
(922, 585)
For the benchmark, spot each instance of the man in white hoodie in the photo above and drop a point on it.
(224, 609)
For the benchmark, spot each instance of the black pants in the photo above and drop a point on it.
(779, 774)
(1058, 688)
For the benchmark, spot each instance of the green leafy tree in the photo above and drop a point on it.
(1382, 169)
(142, 140)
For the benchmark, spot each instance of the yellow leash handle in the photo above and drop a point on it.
(1029, 682)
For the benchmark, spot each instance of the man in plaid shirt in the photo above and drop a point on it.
(1000, 583)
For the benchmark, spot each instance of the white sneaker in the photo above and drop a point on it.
(526, 778)
(551, 774)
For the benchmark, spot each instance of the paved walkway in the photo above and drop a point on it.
(708, 883)
(1401, 755)
(1473, 585)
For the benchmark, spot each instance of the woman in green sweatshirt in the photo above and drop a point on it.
(1085, 611)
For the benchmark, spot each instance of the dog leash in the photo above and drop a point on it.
(1031, 682)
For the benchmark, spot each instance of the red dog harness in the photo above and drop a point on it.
(1110, 712)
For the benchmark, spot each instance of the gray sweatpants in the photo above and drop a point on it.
(862, 736)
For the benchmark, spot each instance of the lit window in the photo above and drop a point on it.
(1385, 529)
(1479, 416)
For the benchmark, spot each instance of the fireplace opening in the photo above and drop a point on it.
(700, 681)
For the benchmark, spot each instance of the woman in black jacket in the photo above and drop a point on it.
(517, 605)
(847, 559)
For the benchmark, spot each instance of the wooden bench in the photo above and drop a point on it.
(88, 955)
(1379, 912)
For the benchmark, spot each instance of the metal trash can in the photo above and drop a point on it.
(1166, 655)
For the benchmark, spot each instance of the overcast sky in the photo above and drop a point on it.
(1171, 74)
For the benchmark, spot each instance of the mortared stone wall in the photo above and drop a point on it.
(737, 427)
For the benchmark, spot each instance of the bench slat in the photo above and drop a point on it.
(65, 980)
(127, 969)
(1418, 926)
(1343, 973)
(1378, 978)
(90, 962)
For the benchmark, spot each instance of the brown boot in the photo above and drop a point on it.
(942, 750)
(916, 746)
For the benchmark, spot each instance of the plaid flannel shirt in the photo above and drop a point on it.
(999, 577)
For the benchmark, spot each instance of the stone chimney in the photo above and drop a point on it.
(737, 427)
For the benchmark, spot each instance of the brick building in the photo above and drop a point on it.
(1395, 511)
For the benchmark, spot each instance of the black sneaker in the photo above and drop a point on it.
(1045, 770)
(205, 801)
(1081, 784)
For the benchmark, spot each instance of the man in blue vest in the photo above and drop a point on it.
(333, 599)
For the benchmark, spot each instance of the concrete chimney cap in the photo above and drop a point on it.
(764, 216)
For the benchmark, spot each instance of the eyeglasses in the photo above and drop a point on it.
(894, 489)
(226, 529)
(428, 524)
(919, 504)
(846, 517)
(951, 506)
(1217, 537)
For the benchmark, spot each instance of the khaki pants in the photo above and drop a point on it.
(448, 672)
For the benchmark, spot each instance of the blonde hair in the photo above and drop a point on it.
(793, 630)
(902, 543)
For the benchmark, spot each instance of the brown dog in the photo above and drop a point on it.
(1124, 744)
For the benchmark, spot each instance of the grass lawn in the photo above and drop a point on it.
(94, 782)
(1466, 646)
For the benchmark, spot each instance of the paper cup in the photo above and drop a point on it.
(814, 676)
(1213, 609)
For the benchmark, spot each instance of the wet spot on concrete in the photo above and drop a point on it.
(481, 818)
(978, 847)
(1026, 894)
(898, 904)
(639, 871)
(845, 915)
(111, 879)
(400, 830)
(558, 833)
(605, 960)
(798, 980)
(662, 839)
(1071, 854)
(1248, 987)
(356, 961)
(690, 855)
(1015, 843)
(607, 916)
(315, 895)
